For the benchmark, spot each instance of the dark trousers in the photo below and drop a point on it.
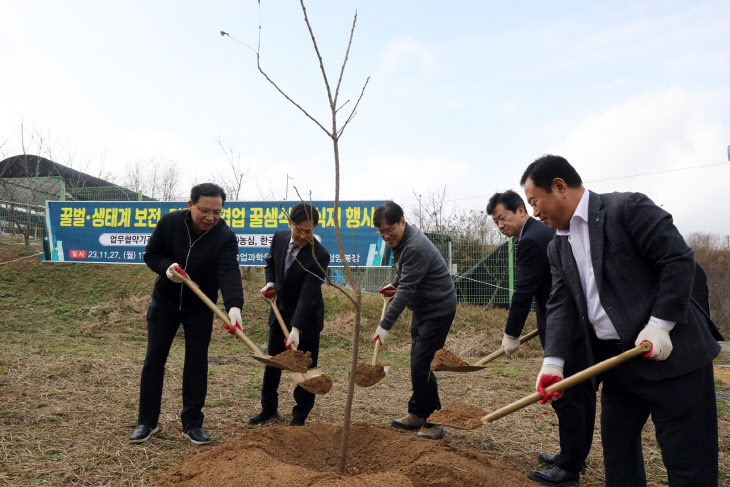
(427, 336)
(308, 342)
(684, 414)
(162, 325)
(576, 412)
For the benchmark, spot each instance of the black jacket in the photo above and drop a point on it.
(299, 294)
(643, 268)
(210, 259)
(533, 278)
(423, 281)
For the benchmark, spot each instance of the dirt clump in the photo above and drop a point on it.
(295, 360)
(319, 384)
(368, 375)
(309, 455)
(444, 358)
(459, 414)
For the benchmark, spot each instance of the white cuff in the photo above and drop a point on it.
(557, 361)
(663, 324)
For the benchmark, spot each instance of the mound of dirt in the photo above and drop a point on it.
(295, 360)
(309, 455)
(320, 384)
(444, 358)
(367, 375)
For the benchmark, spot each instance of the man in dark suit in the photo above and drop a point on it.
(295, 270)
(577, 411)
(623, 273)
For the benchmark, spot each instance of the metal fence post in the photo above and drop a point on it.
(62, 192)
(139, 195)
(511, 260)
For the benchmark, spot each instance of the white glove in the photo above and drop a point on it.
(381, 333)
(661, 344)
(549, 375)
(293, 338)
(172, 276)
(268, 290)
(510, 345)
(234, 314)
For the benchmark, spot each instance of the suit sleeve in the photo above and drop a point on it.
(229, 274)
(155, 252)
(270, 269)
(413, 269)
(533, 264)
(658, 241)
(561, 315)
(311, 293)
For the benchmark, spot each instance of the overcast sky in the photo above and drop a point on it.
(463, 94)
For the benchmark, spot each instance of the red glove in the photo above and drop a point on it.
(234, 315)
(177, 269)
(387, 291)
(232, 328)
(268, 291)
(549, 375)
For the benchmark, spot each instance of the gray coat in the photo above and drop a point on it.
(423, 281)
(642, 268)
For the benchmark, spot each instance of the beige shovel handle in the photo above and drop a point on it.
(500, 352)
(279, 318)
(574, 379)
(223, 316)
(386, 303)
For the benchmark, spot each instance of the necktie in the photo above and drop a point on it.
(289, 257)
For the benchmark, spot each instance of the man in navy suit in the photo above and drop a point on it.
(577, 411)
(296, 267)
(623, 274)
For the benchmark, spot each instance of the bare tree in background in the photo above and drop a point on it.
(334, 133)
(155, 178)
(235, 177)
(712, 252)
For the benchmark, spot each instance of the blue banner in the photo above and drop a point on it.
(116, 232)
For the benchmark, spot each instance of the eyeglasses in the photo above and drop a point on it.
(387, 230)
(208, 212)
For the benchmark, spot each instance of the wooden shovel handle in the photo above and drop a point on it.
(386, 303)
(219, 312)
(279, 318)
(574, 379)
(500, 352)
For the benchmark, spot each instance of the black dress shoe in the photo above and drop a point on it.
(264, 417)
(196, 435)
(554, 476)
(296, 422)
(550, 460)
(142, 433)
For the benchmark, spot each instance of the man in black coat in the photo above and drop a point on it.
(577, 411)
(623, 274)
(194, 241)
(296, 267)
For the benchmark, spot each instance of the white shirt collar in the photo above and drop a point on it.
(581, 213)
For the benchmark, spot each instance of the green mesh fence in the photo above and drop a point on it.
(105, 193)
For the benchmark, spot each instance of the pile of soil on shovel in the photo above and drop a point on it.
(458, 414)
(377, 456)
(367, 375)
(320, 384)
(444, 358)
(295, 360)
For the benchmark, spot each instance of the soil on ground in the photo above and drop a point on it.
(320, 384)
(444, 358)
(309, 455)
(458, 415)
(295, 360)
(368, 375)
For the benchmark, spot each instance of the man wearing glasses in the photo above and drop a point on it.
(295, 270)
(424, 284)
(197, 242)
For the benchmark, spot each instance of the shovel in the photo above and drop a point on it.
(577, 378)
(313, 380)
(365, 377)
(482, 363)
(257, 353)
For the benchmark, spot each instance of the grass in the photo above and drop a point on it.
(73, 341)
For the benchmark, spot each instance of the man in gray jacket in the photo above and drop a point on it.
(623, 274)
(424, 284)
